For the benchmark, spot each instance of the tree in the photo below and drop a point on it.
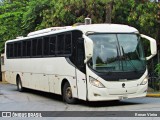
(139, 14)
(11, 20)
(158, 69)
(18, 18)
(33, 16)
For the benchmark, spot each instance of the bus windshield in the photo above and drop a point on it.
(117, 53)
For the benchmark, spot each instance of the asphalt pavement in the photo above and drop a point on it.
(31, 100)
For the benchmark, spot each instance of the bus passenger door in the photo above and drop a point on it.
(80, 70)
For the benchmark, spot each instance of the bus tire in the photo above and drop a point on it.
(19, 85)
(67, 94)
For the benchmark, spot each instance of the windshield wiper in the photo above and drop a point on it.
(126, 56)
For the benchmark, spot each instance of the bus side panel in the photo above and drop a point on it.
(63, 71)
(10, 74)
(7, 76)
(45, 74)
(42, 82)
(48, 74)
(25, 77)
(51, 79)
(13, 77)
(72, 82)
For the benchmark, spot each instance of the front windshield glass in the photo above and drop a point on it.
(117, 52)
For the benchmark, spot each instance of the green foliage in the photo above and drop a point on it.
(10, 20)
(158, 69)
(19, 17)
(47, 13)
(137, 14)
(33, 15)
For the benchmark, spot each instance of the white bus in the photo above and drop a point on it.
(95, 62)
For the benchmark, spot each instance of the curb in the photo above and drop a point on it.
(153, 95)
(3, 82)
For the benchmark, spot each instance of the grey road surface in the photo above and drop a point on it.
(30, 100)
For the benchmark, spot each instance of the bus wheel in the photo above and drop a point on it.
(67, 94)
(19, 85)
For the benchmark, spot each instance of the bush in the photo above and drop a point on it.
(158, 69)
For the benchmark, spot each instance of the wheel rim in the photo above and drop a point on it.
(69, 93)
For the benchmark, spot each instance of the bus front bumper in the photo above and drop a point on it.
(104, 94)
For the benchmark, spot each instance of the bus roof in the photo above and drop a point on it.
(107, 28)
(100, 28)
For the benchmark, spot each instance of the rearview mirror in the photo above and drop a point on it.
(88, 43)
(153, 46)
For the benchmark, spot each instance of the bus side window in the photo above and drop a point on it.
(28, 48)
(19, 49)
(15, 49)
(60, 44)
(80, 55)
(39, 47)
(11, 50)
(46, 46)
(74, 35)
(34, 46)
(52, 45)
(24, 49)
(68, 45)
(8, 50)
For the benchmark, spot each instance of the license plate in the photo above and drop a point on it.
(123, 97)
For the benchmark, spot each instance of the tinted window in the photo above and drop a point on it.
(46, 45)
(34, 45)
(15, 49)
(60, 44)
(76, 36)
(24, 48)
(11, 50)
(68, 41)
(19, 49)
(28, 48)
(39, 47)
(8, 50)
(8, 47)
(52, 45)
(80, 55)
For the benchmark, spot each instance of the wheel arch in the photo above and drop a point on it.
(63, 83)
(71, 99)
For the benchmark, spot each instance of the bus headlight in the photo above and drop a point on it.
(96, 83)
(144, 81)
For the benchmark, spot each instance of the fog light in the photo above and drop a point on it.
(95, 94)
